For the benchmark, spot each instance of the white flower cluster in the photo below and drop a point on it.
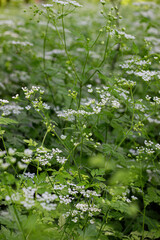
(29, 175)
(123, 34)
(44, 156)
(19, 76)
(65, 199)
(157, 100)
(21, 43)
(28, 93)
(47, 5)
(80, 210)
(152, 120)
(140, 106)
(27, 156)
(46, 201)
(59, 186)
(128, 83)
(7, 22)
(61, 160)
(3, 101)
(74, 190)
(11, 109)
(27, 199)
(130, 63)
(2, 153)
(147, 75)
(146, 150)
(38, 104)
(63, 137)
(70, 114)
(89, 193)
(92, 106)
(7, 158)
(152, 144)
(106, 99)
(84, 207)
(67, 2)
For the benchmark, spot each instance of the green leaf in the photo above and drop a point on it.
(100, 179)
(135, 48)
(61, 221)
(7, 121)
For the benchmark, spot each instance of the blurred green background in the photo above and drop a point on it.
(4, 3)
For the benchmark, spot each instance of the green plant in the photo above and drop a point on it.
(79, 150)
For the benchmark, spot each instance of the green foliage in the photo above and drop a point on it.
(79, 115)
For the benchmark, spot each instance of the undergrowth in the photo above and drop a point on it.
(79, 125)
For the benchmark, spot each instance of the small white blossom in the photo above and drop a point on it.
(28, 152)
(63, 137)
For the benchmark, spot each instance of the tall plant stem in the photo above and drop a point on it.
(102, 61)
(15, 210)
(119, 44)
(88, 52)
(103, 223)
(44, 60)
(132, 122)
(66, 51)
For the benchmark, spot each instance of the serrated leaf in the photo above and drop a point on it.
(100, 179)
(61, 221)
(7, 121)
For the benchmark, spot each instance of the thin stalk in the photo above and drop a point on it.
(131, 127)
(103, 60)
(119, 44)
(44, 59)
(44, 138)
(80, 95)
(87, 55)
(103, 223)
(65, 47)
(144, 210)
(15, 211)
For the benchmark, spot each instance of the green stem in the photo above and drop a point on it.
(102, 61)
(131, 127)
(44, 59)
(103, 223)
(15, 210)
(65, 47)
(44, 137)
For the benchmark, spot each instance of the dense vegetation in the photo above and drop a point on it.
(79, 121)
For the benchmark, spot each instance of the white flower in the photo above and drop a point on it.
(29, 175)
(11, 151)
(28, 152)
(21, 165)
(48, 207)
(61, 160)
(3, 101)
(63, 3)
(21, 43)
(5, 165)
(47, 5)
(11, 108)
(91, 221)
(28, 107)
(16, 97)
(157, 146)
(2, 153)
(75, 219)
(63, 137)
(115, 104)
